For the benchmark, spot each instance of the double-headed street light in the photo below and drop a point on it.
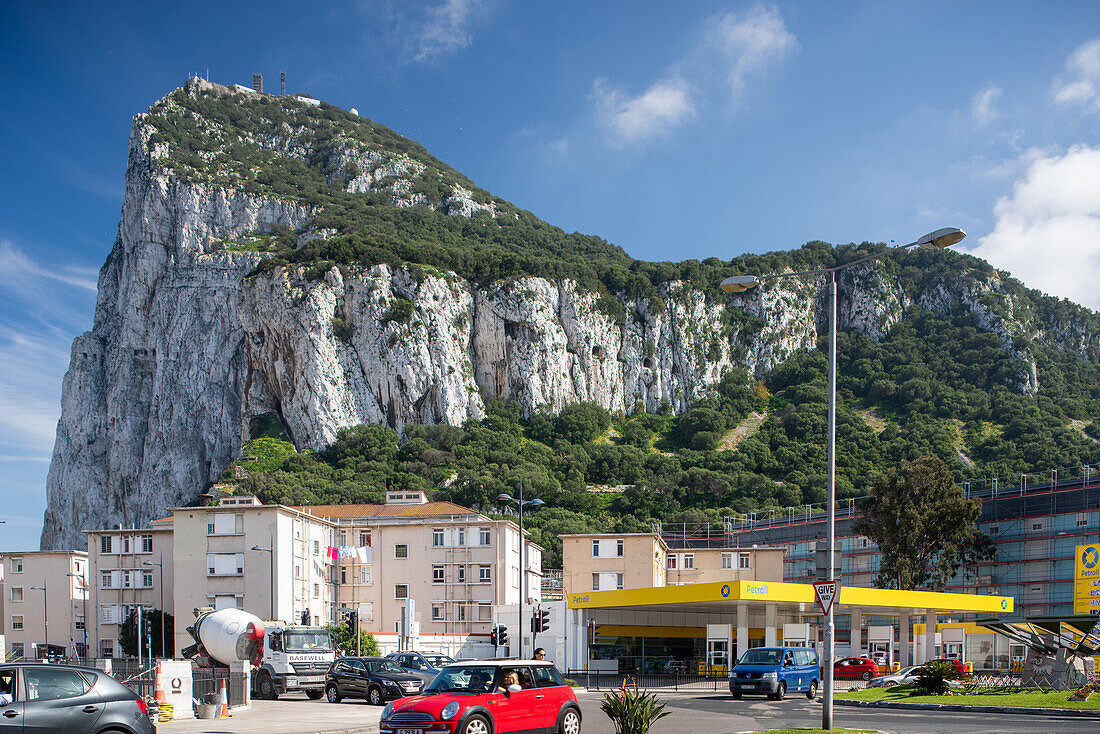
(939, 239)
(521, 503)
(271, 562)
(45, 617)
(84, 593)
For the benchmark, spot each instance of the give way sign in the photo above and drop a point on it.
(826, 592)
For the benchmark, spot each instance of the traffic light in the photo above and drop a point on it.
(543, 620)
(502, 635)
(593, 632)
(352, 621)
(131, 625)
(493, 637)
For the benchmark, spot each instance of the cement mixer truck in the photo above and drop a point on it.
(284, 657)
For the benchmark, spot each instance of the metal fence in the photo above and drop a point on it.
(205, 681)
(597, 681)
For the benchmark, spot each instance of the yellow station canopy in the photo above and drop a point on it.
(716, 595)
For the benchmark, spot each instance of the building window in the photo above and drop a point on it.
(618, 581)
(743, 560)
(17, 622)
(1037, 525)
(343, 538)
(316, 591)
(126, 543)
(485, 536)
(671, 561)
(343, 574)
(147, 579)
(727, 560)
(595, 549)
(689, 561)
(147, 544)
(1082, 519)
(78, 625)
(401, 591)
(107, 648)
(619, 547)
(437, 537)
(484, 612)
(460, 575)
(316, 547)
(437, 574)
(17, 593)
(105, 544)
(401, 550)
(297, 571)
(461, 537)
(595, 582)
(460, 609)
(364, 538)
(224, 564)
(225, 523)
(107, 615)
(437, 612)
(17, 565)
(485, 574)
(364, 575)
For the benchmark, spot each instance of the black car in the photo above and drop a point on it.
(69, 699)
(376, 679)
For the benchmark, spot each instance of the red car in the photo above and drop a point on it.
(855, 669)
(959, 665)
(488, 697)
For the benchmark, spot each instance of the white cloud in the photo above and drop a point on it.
(631, 119)
(1047, 232)
(983, 105)
(449, 27)
(16, 270)
(1082, 87)
(743, 45)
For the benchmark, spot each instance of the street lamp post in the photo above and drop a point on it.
(45, 617)
(84, 604)
(160, 582)
(271, 563)
(939, 239)
(521, 503)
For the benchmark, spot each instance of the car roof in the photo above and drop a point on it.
(44, 664)
(502, 663)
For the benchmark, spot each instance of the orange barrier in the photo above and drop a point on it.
(225, 701)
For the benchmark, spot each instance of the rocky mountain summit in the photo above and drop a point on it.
(279, 257)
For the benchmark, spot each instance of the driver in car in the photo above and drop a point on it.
(479, 681)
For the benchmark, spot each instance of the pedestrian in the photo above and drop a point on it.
(540, 654)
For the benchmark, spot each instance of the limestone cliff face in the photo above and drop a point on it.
(186, 348)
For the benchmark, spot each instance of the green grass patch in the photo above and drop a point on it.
(1031, 699)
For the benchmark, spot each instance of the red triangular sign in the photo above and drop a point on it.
(826, 593)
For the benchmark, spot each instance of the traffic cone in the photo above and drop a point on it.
(158, 692)
(225, 701)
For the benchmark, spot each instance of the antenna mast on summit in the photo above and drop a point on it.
(282, 82)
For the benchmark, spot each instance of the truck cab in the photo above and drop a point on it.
(295, 658)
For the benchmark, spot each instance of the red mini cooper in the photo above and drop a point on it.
(488, 697)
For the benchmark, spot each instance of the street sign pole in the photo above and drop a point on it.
(827, 592)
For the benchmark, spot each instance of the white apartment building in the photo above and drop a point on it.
(42, 603)
(266, 559)
(455, 564)
(128, 568)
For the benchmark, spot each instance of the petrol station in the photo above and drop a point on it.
(703, 627)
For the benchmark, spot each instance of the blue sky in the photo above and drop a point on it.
(675, 130)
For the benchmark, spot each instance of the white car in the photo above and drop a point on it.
(904, 677)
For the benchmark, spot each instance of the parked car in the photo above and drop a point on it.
(70, 699)
(855, 669)
(959, 664)
(774, 671)
(904, 677)
(376, 679)
(425, 665)
(473, 698)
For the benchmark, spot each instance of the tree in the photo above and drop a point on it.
(923, 525)
(345, 640)
(153, 619)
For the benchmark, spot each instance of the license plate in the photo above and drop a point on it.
(409, 731)
(746, 685)
(292, 682)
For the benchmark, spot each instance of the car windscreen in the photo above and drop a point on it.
(384, 666)
(438, 661)
(471, 678)
(761, 656)
(319, 641)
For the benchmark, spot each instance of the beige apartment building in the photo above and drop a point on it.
(607, 561)
(453, 563)
(269, 560)
(128, 568)
(42, 604)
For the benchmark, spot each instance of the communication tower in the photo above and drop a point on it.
(258, 82)
(282, 82)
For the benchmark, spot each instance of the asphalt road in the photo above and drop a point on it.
(700, 712)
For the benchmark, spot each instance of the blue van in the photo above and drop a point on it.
(774, 671)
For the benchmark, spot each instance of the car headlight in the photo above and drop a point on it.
(770, 676)
(449, 711)
(387, 711)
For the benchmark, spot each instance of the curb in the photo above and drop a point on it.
(1077, 713)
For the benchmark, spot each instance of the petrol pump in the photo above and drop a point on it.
(880, 646)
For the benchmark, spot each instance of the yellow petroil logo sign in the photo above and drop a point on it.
(1085, 577)
(756, 589)
(580, 598)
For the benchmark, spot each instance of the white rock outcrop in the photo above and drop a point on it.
(186, 349)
